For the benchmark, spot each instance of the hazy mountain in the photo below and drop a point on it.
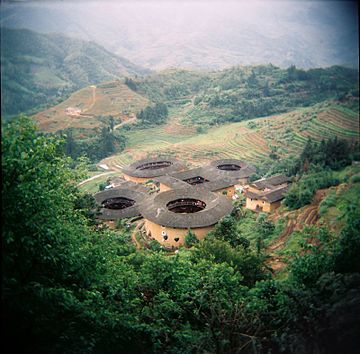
(38, 68)
(199, 34)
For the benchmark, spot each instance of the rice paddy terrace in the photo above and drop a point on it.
(251, 140)
(84, 109)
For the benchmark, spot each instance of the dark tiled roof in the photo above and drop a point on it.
(155, 208)
(275, 195)
(171, 182)
(212, 185)
(245, 169)
(115, 214)
(194, 172)
(271, 196)
(134, 170)
(217, 184)
(271, 182)
(253, 195)
(212, 173)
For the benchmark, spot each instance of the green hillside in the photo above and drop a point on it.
(95, 104)
(239, 93)
(38, 69)
(254, 140)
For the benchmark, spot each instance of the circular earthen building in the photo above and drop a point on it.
(232, 168)
(147, 169)
(118, 203)
(169, 215)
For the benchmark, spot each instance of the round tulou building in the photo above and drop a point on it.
(144, 170)
(232, 168)
(119, 203)
(169, 215)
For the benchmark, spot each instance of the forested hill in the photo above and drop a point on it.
(37, 69)
(245, 92)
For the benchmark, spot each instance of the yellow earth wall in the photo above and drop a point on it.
(230, 191)
(110, 223)
(266, 206)
(251, 204)
(157, 230)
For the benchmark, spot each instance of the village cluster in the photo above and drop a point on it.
(184, 199)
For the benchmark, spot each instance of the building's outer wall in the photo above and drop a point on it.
(156, 233)
(136, 179)
(253, 203)
(228, 192)
(266, 206)
(110, 223)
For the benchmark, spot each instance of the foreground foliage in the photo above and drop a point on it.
(69, 287)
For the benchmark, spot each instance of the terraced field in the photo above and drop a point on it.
(83, 110)
(251, 140)
(284, 134)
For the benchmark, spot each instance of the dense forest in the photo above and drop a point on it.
(42, 69)
(71, 286)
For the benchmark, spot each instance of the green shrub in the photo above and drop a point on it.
(327, 203)
(355, 179)
(102, 186)
(190, 239)
(155, 245)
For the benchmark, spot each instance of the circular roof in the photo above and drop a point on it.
(232, 168)
(156, 209)
(115, 193)
(149, 168)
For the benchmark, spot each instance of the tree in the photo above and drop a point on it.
(190, 239)
(70, 145)
(154, 115)
(131, 84)
(252, 80)
(44, 235)
(111, 123)
(107, 141)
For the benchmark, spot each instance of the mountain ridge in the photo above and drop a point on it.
(205, 35)
(39, 69)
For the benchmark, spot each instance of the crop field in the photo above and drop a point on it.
(283, 134)
(114, 99)
(251, 140)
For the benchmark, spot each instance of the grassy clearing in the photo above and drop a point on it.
(92, 186)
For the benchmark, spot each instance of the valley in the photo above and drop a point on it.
(180, 176)
(249, 113)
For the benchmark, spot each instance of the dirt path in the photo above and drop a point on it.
(94, 177)
(93, 99)
(130, 120)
